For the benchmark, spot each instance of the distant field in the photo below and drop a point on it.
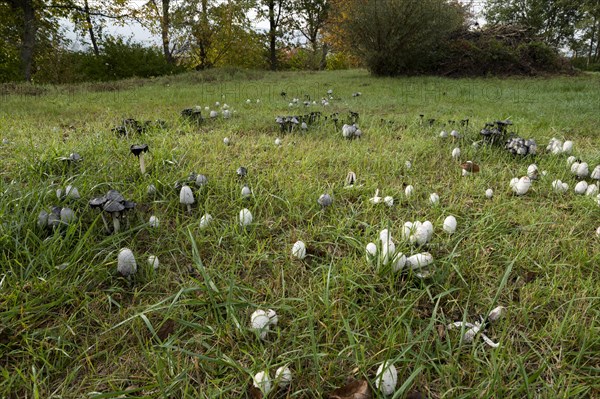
(72, 327)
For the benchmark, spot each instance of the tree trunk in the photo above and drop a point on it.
(29, 31)
(164, 30)
(272, 36)
(323, 65)
(88, 20)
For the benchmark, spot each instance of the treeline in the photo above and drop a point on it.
(389, 37)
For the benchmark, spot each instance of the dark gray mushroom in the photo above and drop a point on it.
(98, 203)
(242, 172)
(138, 150)
(325, 200)
(114, 208)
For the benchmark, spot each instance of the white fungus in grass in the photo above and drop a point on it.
(277, 141)
(409, 190)
(260, 322)
(581, 187)
(154, 222)
(389, 201)
(592, 190)
(299, 250)
(126, 264)
(386, 378)
(245, 217)
(489, 193)
(371, 252)
(153, 262)
(205, 220)
(262, 381)
(456, 153)
(226, 141)
(434, 199)
(450, 224)
(283, 376)
(598, 232)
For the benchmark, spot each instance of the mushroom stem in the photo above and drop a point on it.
(142, 163)
(116, 222)
(189, 208)
(105, 222)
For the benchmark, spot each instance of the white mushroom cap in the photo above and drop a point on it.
(592, 190)
(407, 230)
(456, 153)
(186, 196)
(567, 146)
(450, 224)
(582, 170)
(259, 322)
(245, 217)
(126, 262)
(598, 232)
(434, 198)
(409, 190)
(596, 173)
(277, 141)
(226, 141)
(571, 160)
(262, 381)
(496, 313)
(154, 222)
(532, 171)
(581, 187)
(283, 376)
(398, 262)
(489, 193)
(371, 251)
(72, 192)
(389, 201)
(419, 260)
(153, 261)
(205, 220)
(386, 378)
(299, 250)
(273, 318)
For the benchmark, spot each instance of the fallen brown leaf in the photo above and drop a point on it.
(356, 389)
(254, 392)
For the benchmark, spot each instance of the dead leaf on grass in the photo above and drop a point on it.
(355, 389)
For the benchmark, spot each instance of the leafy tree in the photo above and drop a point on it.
(394, 36)
(553, 20)
(310, 17)
(278, 14)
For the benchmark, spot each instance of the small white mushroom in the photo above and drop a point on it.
(489, 193)
(582, 170)
(386, 378)
(521, 186)
(592, 190)
(443, 134)
(389, 201)
(434, 198)
(496, 313)
(419, 260)
(186, 197)
(299, 250)
(260, 322)
(283, 376)
(408, 164)
(598, 232)
(126, 262)
(154, 222)
(559, 186)
(226, 141)
(153, 262)
(205, 221)
(450, 224)
(245, 217)
(246, 191)
(581, 187)
(371, 252)
(571, 160)
(409, 190)
(532, 171)
(455, 134)
(398, 262)
(567, 147)
(376, 198)
(213, 114)
(277, 141)
(456, 153)
(151, 189)
(262, 381)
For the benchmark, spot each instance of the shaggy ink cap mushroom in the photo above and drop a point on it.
(138, 150)
(242, 172)
(325, 200)
(186, 197)
(114, 208)
(126, 264)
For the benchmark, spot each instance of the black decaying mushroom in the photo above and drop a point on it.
(138, 150)
(113, 203)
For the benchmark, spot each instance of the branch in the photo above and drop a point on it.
(81, 9)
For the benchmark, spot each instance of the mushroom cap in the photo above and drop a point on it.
(419, 260)
(72, 192)
(260, 322)
(325, 200)
(137, 149)
(113, 206)
(434, 198)
(42, 221)
(246, 192)
(153, 261)
(242, 171)
(154, 221)
(67, 215)
(299, 250)
(245, 217)
(371, 251)
(97, 202)
(126, 262)
(186, 196)
(386, 378)
(283, 376)
(581, 187)
(350, 178)
(114, 195)
(151, 190)
(409, 190)
(489, 193)
(201, 180)
(128, 205)
(205, 220)
(450, 224)
(262, 381)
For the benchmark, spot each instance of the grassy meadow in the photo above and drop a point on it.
(72, 327)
